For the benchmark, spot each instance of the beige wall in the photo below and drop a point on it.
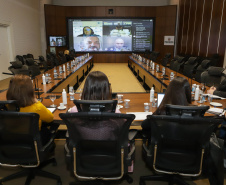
(24, 19)
(111, 3)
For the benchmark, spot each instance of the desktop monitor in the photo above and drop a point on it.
(160, 97)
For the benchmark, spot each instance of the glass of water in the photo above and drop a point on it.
(52, 97)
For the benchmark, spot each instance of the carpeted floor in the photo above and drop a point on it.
(120, 77)
(61, 169)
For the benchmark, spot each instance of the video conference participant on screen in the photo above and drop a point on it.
(118, 46)
(91, 44)
(87, 31)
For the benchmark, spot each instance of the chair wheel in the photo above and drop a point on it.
(129, 179)
(59, 182)
(142, 182)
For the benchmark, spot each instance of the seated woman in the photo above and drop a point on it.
(177, 93)
(97, 87)
(21, 89)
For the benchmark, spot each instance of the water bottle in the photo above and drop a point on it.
(64, 97)
(43, 79)
(152, 94)
(197, 93)
(171, 76)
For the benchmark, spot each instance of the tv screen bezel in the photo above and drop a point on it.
(112, 18)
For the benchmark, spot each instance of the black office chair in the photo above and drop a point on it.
(205, 64)
(185, 111)
(166, 59)
(62, 57)
(98, 144)
(9, 105)
(21, 146)
(177, 147)
(17, 68)
(96, 105)
(190, 67)
(178, 64)
(212, 76)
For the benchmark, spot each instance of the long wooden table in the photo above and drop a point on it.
(70, 78)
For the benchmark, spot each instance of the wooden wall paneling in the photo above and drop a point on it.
(121, 58)
(60, 21)
(80, 11)
(120, 11)
(50, 20)
(90, 11)
(71, 11)
(159, 35)
(222, 41)
(198, 27)
(110, 58)
(215, 27)
(150, 11)
(191, 20)
(205, 27)
(140, 11)
(185, 26)
(180, 26)
(130, 11)
(100, 11)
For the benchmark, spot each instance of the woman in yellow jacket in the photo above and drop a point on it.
(21, 89)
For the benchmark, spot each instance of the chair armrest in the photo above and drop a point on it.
(132, 134)
(147, 150)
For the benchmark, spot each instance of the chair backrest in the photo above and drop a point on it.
(205, 64)
(190, 67)
(186, 111)
(96, 105)
(212, 76)
(9, 105)
(178, 64)
(166, 59)
(19, 138)
(178, 144)
(97, 141)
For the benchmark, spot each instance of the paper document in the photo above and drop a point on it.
(140, 115)
(216, 111)
(51, 109)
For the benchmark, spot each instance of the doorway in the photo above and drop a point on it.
(5, 50)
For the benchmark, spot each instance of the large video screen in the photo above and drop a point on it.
(111, 35)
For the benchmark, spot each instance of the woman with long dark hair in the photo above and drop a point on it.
(97, 87)
(177, 93)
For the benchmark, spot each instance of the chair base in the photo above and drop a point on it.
(171, 179)
(102, 182)
(32, 172)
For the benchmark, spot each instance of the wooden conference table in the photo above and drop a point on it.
(78, 72)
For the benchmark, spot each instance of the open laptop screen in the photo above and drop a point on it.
(160, 97)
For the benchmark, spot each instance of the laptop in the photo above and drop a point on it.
(160, 97)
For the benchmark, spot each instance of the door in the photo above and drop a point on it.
(4, 52)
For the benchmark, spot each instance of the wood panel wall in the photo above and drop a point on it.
(202, 28)
(55, 19)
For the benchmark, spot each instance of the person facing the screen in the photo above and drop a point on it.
(87, 31)
(97, 87)
(91, 44)
(21, 89)
(177, 93)
(119, 46)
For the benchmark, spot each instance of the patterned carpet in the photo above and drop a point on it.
(120, 77)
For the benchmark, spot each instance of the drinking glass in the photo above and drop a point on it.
(52, 97)
(71, 93)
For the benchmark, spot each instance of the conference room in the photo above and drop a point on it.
(185, 35)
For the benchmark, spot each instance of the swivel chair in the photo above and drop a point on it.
(166, 59)
(177, 147)
(213, 76)
(21, 146)
(9, 105)
(190, 67)
(186, 111)
(205, 64)
(96, 105)
(98, 144)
